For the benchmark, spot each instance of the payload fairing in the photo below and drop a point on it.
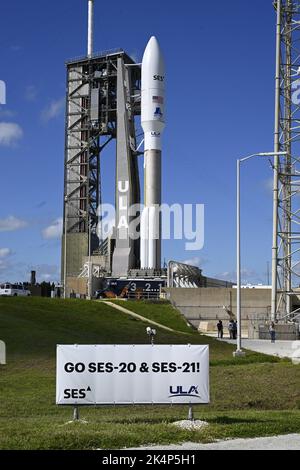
(152, 120)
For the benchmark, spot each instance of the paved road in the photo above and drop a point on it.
(288, 442)
(139, 317)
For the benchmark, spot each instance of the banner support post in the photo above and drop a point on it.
(191, 413)
(76, 413)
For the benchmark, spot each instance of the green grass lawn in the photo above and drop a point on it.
(258, 395)
(166, 314)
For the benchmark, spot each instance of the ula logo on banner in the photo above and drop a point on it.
(2, 92)
(180, 392)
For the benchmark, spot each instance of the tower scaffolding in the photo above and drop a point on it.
(286, 220)
(101, 106)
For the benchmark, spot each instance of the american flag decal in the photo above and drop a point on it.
(158, 99)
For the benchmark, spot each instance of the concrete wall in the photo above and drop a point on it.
(78, 285)
(77, 248)
(283, 332)
(212, 304)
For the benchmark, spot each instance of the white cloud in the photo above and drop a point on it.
(16, 48)
(226, 276)
(10, 133)
(134, 56)
(196, 261)
(3, 265)
(4, 252)
(4, 262)
(11, 223)
(46, 272)
(53, 110)
(54, 230)
(31, 93)
(249, 276)
(6, 113)
(268, 184)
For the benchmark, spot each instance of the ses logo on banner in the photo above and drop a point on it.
(132, 374)
(76, 393)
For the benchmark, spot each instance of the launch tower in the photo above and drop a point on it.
(102, 100)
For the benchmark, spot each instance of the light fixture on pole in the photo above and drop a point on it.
(151, 332)
(239, 351)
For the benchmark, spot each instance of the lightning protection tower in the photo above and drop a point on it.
(286, 217)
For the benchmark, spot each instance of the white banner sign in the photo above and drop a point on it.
(127, 374)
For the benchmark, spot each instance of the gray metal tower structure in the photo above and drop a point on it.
(126, 254)
(103, 98)
(286, 217)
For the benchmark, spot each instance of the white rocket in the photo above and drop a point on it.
(152, 119)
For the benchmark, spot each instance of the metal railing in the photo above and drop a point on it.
(96, 55)
(143, 295)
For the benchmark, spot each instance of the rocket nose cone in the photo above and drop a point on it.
(153, 40)
(152, 52)
(152, 45)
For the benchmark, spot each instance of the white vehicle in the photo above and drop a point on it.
(14, 290)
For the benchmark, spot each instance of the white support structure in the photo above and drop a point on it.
(90, 28)
(91, 270)
(183, 275)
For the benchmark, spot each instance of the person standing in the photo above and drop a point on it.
(272, 332)
(230, 329)
(234, 331)
(220, 329)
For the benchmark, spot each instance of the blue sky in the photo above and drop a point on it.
(220, 105)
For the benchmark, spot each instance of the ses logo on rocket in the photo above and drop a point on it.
(160, 78)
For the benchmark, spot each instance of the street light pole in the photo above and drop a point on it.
(239, 351)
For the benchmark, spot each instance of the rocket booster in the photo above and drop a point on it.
(152, 120)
